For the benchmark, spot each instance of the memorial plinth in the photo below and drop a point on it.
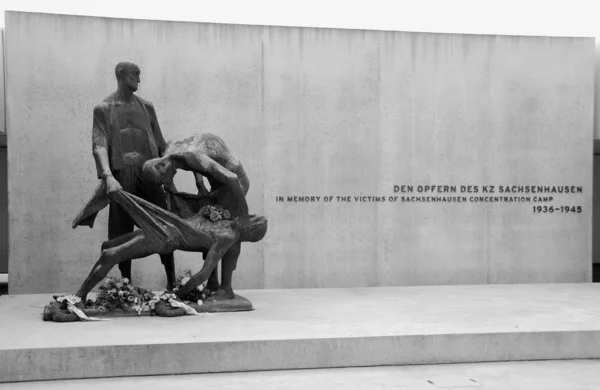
(311, 328)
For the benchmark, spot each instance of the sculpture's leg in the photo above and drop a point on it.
(228, 265)
(136, 247)
(155, 195)
(119, 221)
(125, 268)
(168, 262)
(118, 240)
(118, 229)
(213, 279)
(214, 255)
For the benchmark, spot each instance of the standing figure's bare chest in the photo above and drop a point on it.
(132, 116)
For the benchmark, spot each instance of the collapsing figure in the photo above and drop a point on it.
(162, 232)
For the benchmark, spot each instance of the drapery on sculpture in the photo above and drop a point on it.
(187, 229)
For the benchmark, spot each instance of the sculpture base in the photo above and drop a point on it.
(238, 303)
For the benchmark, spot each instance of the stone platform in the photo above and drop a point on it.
(310, 328)
(536, 375)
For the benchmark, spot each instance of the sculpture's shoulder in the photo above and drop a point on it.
(105, 104)
(204, 143)
(189, 144)
(146, 103)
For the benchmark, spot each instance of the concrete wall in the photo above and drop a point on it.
(317, 112)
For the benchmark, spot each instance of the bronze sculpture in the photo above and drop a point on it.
(163, 232)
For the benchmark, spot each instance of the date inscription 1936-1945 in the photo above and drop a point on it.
(557, 209)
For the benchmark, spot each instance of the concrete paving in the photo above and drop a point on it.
(311, 328)
(538, 375)
(325, 313)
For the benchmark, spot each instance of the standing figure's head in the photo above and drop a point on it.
(159, 170)
(128, 75)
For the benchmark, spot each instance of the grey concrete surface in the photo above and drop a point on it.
(311, 328)
(537, 375)
(319, 112)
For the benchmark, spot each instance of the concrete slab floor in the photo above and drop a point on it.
(324, 313)
(542, 375)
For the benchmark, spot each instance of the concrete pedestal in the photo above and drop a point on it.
(311, 328)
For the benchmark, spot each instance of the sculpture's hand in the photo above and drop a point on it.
(202, 190)
(242, 222)
(112, 186)
(170, 187)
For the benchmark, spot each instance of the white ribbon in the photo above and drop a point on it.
(189, 310)
(82, 316)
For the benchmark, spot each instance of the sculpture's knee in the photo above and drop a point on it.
(108, 257)
(104, 245)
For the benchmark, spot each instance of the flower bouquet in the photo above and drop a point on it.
(68, 308)
(197, 295)
(115, 294)
(215, 213)
(168, 305)
(120, 294)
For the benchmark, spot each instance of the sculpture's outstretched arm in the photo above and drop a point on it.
(170, 187)
(202, 190)
(205, 165)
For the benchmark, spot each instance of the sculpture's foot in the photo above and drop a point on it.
(82, 296)
(212, 285)
(222, 294)
(182, 293)
(171, 282)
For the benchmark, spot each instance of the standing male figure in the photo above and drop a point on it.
(125, 135)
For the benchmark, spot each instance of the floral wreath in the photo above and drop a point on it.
(119, 294)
